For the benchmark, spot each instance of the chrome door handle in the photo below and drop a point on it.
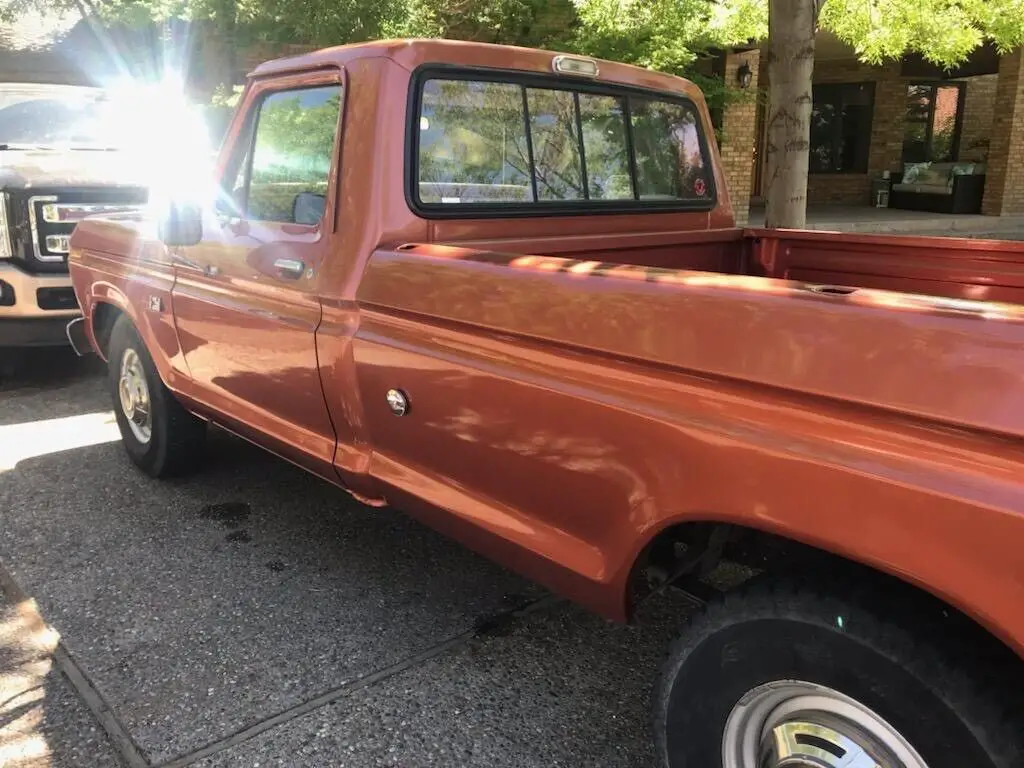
(289, 267)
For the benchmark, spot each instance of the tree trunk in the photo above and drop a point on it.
(791, 27)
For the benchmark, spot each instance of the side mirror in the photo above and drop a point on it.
(308, 208)
(181, 224)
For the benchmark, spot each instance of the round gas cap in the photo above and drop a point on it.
(397, 402)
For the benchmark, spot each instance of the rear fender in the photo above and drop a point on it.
(950, 533)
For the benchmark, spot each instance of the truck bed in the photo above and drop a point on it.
(959, 268)
(716, 290)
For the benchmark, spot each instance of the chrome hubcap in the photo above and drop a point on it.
(134, 395)
(793, 724)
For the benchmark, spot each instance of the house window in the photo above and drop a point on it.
(933, 116)
(841, 127)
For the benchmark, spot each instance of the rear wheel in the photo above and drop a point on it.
(159, 435)
(788, 677)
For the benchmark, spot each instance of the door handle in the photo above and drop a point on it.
(292, 268)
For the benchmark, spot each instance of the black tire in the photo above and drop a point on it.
(944, 685)
(176, 445)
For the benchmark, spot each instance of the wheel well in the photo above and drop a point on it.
(104, 316)
(705, 559)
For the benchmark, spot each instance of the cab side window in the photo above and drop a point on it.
(284, 175)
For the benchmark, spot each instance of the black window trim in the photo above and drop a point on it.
(543, 208)
(837, 86)
(579, 141)
(929, 122)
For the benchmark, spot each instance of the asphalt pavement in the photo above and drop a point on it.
(253, 615)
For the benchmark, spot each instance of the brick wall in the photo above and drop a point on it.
(979, 107)
(1004, 183)
(737, 148)
(40, 67)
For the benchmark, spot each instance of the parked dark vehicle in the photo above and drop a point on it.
(61, 160)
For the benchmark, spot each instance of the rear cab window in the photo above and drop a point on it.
(483, 144)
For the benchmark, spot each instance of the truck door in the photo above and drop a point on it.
(245, 300)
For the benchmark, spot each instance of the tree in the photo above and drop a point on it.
(230, 24)
(669, 35)
(531, 23)
(791, 28)
(666, 35)
(942, 31)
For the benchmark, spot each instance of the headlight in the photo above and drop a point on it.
(6, 250)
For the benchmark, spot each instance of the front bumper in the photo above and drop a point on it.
(34, 309)
(33, 332)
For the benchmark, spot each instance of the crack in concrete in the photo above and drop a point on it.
(346, 689)
(132, 757)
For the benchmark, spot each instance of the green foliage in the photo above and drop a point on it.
(665, 34)
(531, 23)
(943, 31)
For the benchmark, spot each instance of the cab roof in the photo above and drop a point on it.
(413, 53)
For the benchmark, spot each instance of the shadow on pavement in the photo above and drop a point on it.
(44, 367)
(42, 721)
(203, 606)
(50, 383)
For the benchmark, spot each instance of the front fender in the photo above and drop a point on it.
(142, 290)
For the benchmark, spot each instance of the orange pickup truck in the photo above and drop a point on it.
(502, 289)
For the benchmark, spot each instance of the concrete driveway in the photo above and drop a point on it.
(254, 616)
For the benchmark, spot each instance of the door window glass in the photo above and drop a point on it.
(291, 155)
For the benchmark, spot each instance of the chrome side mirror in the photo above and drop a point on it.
(181, 224)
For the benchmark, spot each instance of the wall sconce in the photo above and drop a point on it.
(744, 76)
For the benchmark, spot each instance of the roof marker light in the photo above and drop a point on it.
(574, 65)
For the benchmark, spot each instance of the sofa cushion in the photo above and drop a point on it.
(937, 173)
(912, 171)
(969, 169)
(924, 189)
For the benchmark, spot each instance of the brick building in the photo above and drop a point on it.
(868, 120)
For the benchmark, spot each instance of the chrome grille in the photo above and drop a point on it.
(52, 217)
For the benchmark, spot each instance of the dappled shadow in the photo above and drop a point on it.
(194, 618)
(42, 722)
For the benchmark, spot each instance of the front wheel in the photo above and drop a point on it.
(788, 677)
(159, 435)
